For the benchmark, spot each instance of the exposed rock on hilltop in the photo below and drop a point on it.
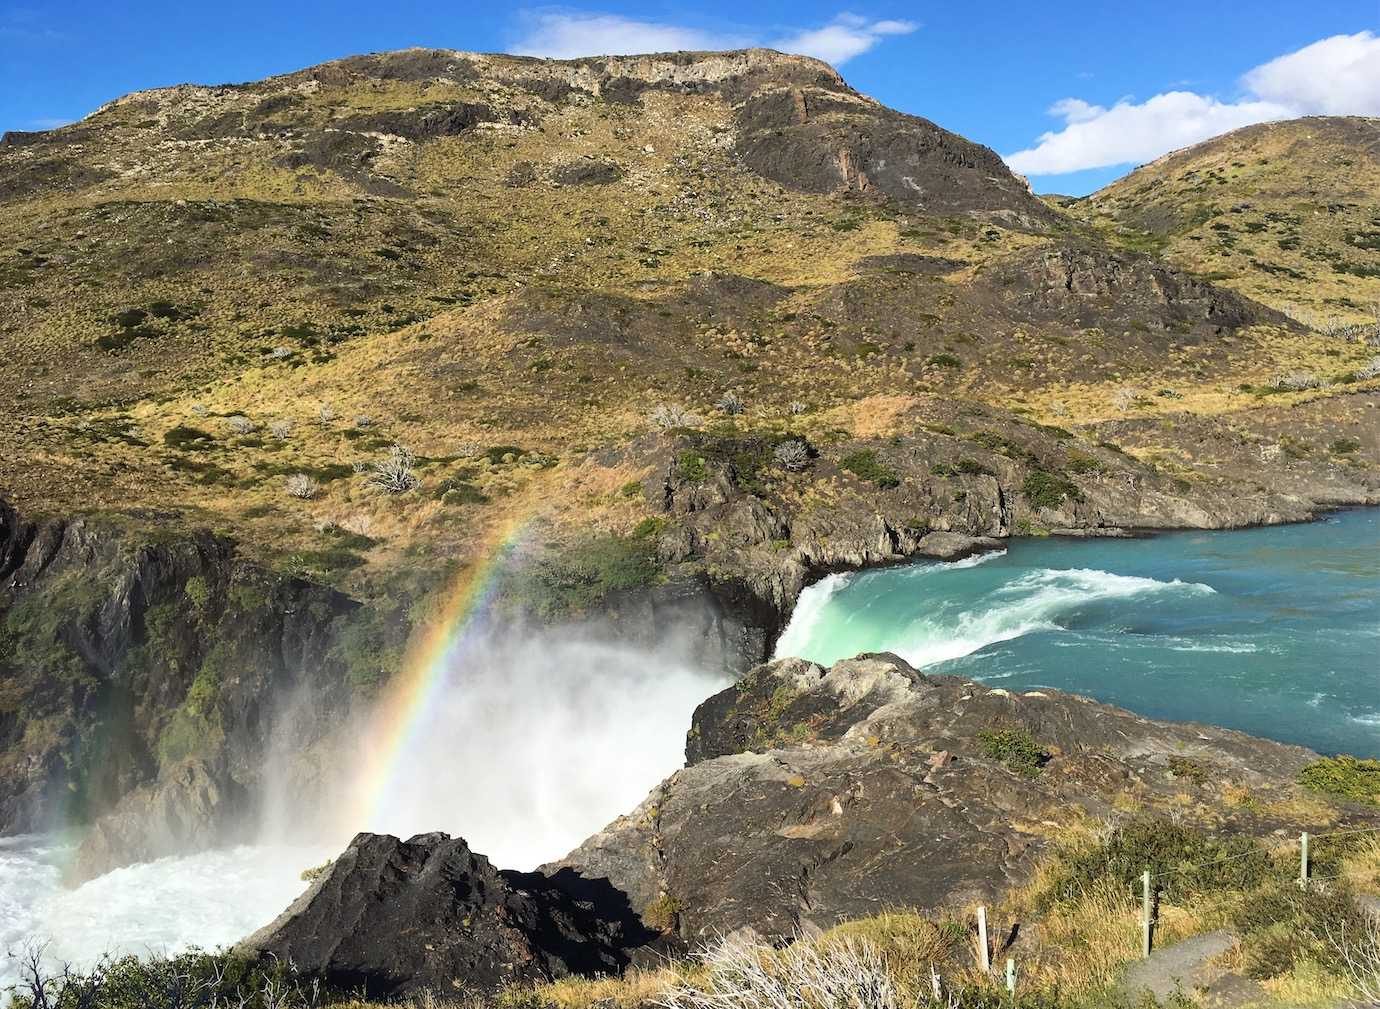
(390, 917)
(815, 795)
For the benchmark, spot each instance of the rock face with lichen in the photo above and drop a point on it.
(812, 795)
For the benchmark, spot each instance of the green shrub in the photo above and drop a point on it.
(198, 593)
(691, 467)
(1082, 462)
(1044, 489)
(1344, 777)
(946, 360)
(1281, 926)
(578, 577)
(1016, 748)
(1189, 770)
(1183, 860)
(865, 465)
(1344, 446)
(497, 453)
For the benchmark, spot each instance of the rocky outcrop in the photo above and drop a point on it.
(391, 917)
(828, 138)
(813, 795)
(1090, 285)
(144, 682)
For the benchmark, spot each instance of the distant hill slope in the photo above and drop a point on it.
(1287, 213)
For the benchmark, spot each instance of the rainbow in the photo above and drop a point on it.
(401, 713)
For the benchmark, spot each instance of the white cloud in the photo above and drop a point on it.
(847, 36)
(1335, 76)
(568, 34)
(1338, 76)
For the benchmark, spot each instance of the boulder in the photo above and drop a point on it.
(814, 795)
(392, 917)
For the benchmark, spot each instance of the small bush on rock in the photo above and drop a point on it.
(865, 465)
(1016, 748)
(1044, 489)
(792, 455)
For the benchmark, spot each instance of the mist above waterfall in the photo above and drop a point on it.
(538, 739)
(534, 740)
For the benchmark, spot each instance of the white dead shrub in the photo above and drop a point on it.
(239, 424)
(279, 353)
(731, 403)
(325, 413)
(299, 485)
(280, 429)
(792, 455)
(1296, 381)
(1371, 369)
(397, 473)
(1359, 950)
(363, 420)
(1125, 398)
(843, 974)
(199, 410)
(667, 416)
(797, 408)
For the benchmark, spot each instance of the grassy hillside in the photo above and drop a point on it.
(1287, 213)
(225, 305)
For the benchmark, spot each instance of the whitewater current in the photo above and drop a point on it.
(541, 742)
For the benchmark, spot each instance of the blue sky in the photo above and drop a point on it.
(1114, 83)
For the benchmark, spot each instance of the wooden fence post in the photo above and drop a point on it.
(984, 954)
(1146, 910)
(1011, 978)
(1303, 861)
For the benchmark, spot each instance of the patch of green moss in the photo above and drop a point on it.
(865, 465)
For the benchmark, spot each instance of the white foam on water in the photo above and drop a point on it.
(1032, 603)
(207, 900)
(809, 611)
(537, 742)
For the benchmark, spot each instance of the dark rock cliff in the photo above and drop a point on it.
(143, 679)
